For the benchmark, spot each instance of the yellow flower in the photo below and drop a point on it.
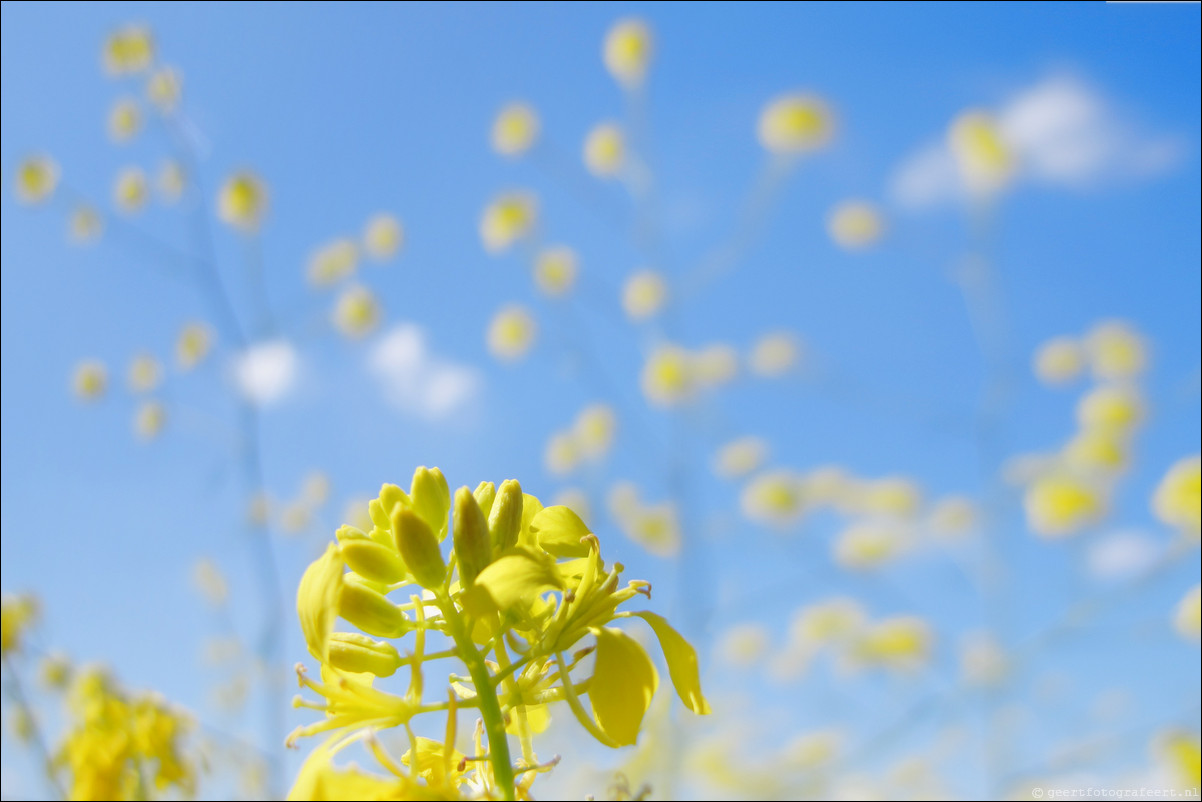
(515, 130)
(855, 224)
(982, 158)
(145, 373)
(952, 517)
(163, 89)
(868, 545)
(171, 181)
(242, 202)
(715, 365)
(17, 615)
(1111, 408)
(357, 312)
(795, 124)
(740, 457)
(774, 355)
(150, 419)
(1116, 351)
(1176, 501)
(511, 333)
(54, 671)
(1188, 617)
(605, 150)
(594, 430)
(1096, 452)
(627, 52)
(86, 224)
(195, 340)
(383, 236)
(900, 642)
(744, 645)
(210, 582)
(892, 497)
(90, 380)
(315, 488)
(655, 527)
(668, 376)
(37, 178)
(776, 498)
(1059, 505)
(1181, 755)
(644, 294)
(507, 219)
(129, 190)
(831, 621)
(561, 455)
(555, 271)
(125, 120)
(128, 50)
(333, 262)
(1059, 361)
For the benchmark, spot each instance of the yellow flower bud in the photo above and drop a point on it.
(370, 610)
(430, 498)
(473, 544)
(359, 654)
(505, 519)
(369, 558)
(485, 493)
(86, 225)
(419, 549)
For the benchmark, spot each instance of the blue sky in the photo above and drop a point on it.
(350, 109)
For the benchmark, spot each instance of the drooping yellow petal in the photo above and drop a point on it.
(317, 601)
(682, 663)
(559, 530)
(517, 578)
(624, 681)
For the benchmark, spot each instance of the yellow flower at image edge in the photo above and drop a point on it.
(1178, 498)
(18, 613)
(514, 567)
(243, 201)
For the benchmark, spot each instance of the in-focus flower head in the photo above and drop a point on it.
(149, 419)
(356, 312)
(1178, 498)
(90, 380)
(982, 158)
(515, 130)
(1060, 360)
(145, 374)
(644, 294)
(195, 341)
(510, 217)
(130, 190)
(164, 88)
(333, 262)
(627, 52)
(242, 202)
(383, 236)
(511, 333)
(125, 120)
(1116, 351)
(796, 123)
(855, 224)
(740, 457)
(128, 50)
(774, 355)
(775, 498)
(37, 178)
(605, 150)
(555, 270)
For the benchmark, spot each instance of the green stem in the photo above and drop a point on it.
(486, 695)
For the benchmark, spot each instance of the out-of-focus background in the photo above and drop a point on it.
(924, 547)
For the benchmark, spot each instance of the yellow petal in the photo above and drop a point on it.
(559, 530)
(317, 600)
(682, 663)
(518, 577)
(624, 681)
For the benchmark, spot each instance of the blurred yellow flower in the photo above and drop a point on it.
(604, 150)
(1181, 754)
(511, 333)
(333, 262)
(243, 201)
(90, 380)
(1188, 616)
(315, 488)
(149, 420)
(128, 50)
(195, 340)
(983, 160)
(1059, 505)
(740, 457)
(795, 123)
(1059, 361)
(357, 312)
(892, 497)
(900, 642)
(774, 355)
(163, 89)
(555, 270)
(627, 52)
(18, 613)
(1095, 451)
(383, 237)
(668, 376)
(833, 620)
(37, 178)
(86, 225)
(507, 219)
(171, 181)
(594, 430)
(561, 455)
(855, 224)
(811, 750)
(1112, 408)
(145, 373)
(129, 190)
(210, 582)
(1116, 351)
(1176, 501)
(54, 671)
(716, 365)
(867, 545)
(125, 120)
(952, 517)
(643, 294)
(515, 130)
(654, 527)
(775, 498)
(744, 645)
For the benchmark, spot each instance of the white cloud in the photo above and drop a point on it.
(414, 381)
(1122, 555)
(266, 372)
(1062, 132)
